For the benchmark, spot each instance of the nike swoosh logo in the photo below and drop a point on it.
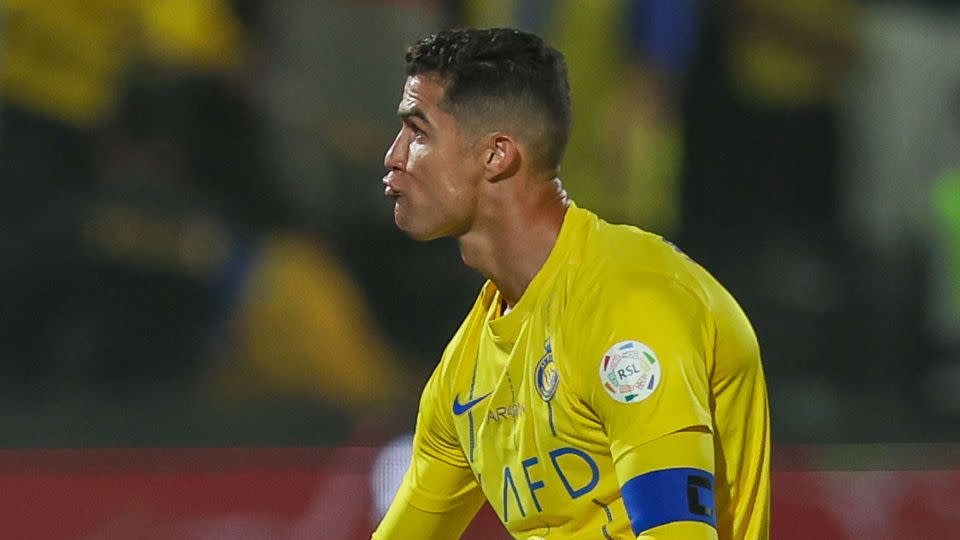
(460, 408)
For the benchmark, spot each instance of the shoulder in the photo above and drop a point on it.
(632, 304)
(632, 286)
(620, 259)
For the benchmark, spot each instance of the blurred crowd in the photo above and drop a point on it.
(193, 216)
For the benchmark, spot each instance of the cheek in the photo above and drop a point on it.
(440, 173)
(427, 165)
(417, 155)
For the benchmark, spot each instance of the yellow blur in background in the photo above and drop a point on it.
(66, 58)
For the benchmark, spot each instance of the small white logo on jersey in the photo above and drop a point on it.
(629, 371)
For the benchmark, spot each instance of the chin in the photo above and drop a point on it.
(420, 235)
(410, 229)
(419, 231)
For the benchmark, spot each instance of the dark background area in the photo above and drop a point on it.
(195, 250)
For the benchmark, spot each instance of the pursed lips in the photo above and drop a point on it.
(389, 190)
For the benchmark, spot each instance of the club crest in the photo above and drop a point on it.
(547, 378)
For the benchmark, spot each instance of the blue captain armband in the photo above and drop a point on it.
(668, 495)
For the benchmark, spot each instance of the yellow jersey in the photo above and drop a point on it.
(583, 411)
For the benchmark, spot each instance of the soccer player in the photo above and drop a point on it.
(603, 385)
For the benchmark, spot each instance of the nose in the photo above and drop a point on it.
(396, 157)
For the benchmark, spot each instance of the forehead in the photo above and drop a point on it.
(424, 92)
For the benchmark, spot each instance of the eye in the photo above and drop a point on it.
(417, 131)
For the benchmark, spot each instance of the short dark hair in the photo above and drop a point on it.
(503, 70)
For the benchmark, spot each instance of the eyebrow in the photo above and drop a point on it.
(414, 112)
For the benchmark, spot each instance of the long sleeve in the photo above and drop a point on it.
(439, 495)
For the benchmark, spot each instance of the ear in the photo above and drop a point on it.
(502, 157)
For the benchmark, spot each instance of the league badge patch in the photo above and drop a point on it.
(629, 371)
(547, 378)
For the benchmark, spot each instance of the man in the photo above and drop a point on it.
(603, 385)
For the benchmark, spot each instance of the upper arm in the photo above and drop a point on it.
(641, 369)
(639, 359)
(668, 487)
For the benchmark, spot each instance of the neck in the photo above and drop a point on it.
(515, 229)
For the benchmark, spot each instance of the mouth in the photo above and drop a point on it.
(389, 190)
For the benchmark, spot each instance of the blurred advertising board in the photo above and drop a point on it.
(328, 493)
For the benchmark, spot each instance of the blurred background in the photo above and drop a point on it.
(195, 251)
